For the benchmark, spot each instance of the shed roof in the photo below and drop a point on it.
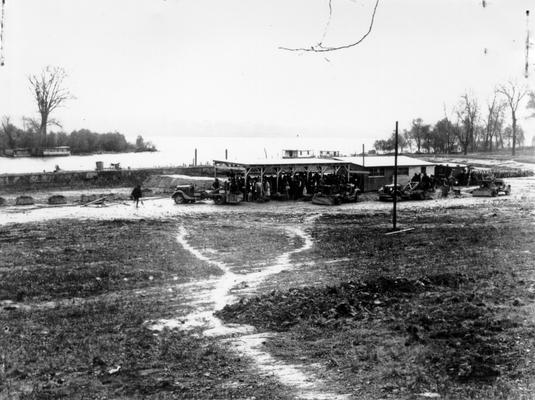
(282, 162)
(385, 161)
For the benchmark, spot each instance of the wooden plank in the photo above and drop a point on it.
(94, 201)
(399, 231)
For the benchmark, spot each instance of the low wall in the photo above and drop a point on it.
(103, 178)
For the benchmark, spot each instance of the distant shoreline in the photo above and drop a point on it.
(80, 154)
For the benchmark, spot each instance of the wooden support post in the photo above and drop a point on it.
(246, 190)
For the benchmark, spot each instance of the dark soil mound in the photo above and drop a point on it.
(57, 199)
(463, 335)
(24, 201)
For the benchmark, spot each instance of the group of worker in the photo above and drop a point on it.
(426, 182)
(286, 187)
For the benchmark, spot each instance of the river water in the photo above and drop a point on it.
(177, 151)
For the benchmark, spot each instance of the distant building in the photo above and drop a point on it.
(297, 153)
(55, 151)
(329, 153)
(18, 152)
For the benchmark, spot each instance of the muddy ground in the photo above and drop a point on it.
(114, 302)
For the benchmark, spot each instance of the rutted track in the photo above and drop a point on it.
(243, 338)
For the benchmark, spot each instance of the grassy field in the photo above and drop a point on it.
(75, 298)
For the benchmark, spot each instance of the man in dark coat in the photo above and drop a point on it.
(136, 195)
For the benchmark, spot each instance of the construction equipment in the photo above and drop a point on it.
(331, 195)
(492, 188)
(411, 191)
(225, 196)
(190, 194)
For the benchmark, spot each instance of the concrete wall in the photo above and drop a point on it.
(81, 179)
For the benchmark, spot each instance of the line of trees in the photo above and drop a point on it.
(82, 141)
(50, 93)
(472, 128)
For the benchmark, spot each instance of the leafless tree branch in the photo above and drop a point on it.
(320, 48)
(49, 93)
(328, 22)
(513, 96)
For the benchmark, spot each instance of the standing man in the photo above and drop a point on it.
(136, 195)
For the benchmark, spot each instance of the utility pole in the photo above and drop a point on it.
(394, 211)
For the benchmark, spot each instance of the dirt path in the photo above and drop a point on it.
(213, 296)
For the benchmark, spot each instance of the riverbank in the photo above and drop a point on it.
(105, 178)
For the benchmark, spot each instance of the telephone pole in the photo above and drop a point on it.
(394, 211)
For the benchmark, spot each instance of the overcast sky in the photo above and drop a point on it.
(213, 67)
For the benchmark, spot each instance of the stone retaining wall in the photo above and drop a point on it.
(104, 178)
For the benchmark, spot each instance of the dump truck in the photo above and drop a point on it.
(188, 194)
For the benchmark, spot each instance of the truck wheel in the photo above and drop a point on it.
(493, 193)
(179, 199)
(218, 200)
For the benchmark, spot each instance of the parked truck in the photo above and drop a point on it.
(190, 194)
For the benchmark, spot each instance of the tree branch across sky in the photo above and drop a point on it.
(320, 48)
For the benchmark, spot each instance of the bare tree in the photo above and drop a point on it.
(408, 139)
(7, 129)
(320, 48)
(494, 123)
(50, 93)
(419, 133)
(468, 114)
(513, 96)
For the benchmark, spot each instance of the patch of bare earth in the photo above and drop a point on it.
(443, 310)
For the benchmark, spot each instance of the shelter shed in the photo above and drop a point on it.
(287, 166)
(289, 177)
